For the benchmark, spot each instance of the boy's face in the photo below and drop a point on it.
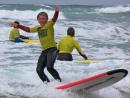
(15, 26)
(42, 20)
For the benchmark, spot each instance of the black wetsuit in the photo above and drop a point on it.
(65, 57)
(47, 59)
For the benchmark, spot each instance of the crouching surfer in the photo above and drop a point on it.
(66, 46)
(15, 34)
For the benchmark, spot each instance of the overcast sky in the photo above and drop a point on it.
(58, 2)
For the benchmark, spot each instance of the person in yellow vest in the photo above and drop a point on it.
(46, 33)
(66, 46)
(15, 34)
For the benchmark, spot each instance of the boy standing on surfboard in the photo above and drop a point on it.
(66, 46)
(46, 36)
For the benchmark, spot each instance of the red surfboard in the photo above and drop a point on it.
(96, 82)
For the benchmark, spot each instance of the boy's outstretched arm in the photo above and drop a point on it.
(24, 28)
(56, 14)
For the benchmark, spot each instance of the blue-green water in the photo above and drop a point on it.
(104, 34)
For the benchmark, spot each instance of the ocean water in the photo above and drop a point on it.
(104, 35)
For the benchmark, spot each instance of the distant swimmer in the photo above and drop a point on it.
(15, 34)
(66, 46)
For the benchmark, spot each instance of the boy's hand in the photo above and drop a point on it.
(12, 24)
(56, 14)
(57, 8)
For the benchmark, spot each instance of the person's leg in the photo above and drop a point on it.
(41, 66)
(51, 57)
(64, 57)
(17, 40)
(24, 37)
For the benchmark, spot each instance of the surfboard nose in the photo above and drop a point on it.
(118, 71)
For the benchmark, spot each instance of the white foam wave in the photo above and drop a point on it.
(116, 9)
(14, 82)
(46, 6)
(26, 14)
(104, 32)
(2, 5)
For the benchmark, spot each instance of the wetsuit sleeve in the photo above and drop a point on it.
(77, 46)
(28, 29)
(53, 20)
(55, 17)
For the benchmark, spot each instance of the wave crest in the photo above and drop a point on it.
(25, 15)
(116, 9)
